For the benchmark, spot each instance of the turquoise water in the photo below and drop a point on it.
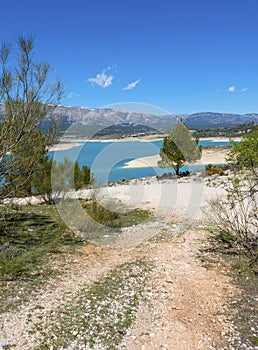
(106, 159)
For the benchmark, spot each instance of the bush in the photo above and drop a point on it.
(64, 176)
(236, 214)
(215, 169)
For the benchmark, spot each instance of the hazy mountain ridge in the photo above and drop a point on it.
(101, 118)
(214, 120)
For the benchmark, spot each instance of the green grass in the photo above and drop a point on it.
(113, 217)
(29, 236)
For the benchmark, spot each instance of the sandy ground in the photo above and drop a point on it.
(64, 146)
(214, 155)
(185, 197)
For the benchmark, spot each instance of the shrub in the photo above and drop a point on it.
(236, 214)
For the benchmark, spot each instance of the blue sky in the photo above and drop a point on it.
(183, 56)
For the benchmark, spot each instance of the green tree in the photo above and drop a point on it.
(78, 176)
(82, 176)
(61, 177)
(41, 179)
(178, 148)
(244, 154)
(28, 97)
(86, 175)
(22, 163)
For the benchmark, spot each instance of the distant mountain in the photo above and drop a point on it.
(205, 120)
(89, 121)
(84, 121)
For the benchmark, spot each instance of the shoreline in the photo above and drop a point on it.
(146, 139)
(64, 146)
(211, 155)
(67, 144)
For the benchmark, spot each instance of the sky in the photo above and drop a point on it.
(182, 56)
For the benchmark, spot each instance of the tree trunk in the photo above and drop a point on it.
(177, 170)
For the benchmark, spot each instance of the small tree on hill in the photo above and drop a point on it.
(178, 148)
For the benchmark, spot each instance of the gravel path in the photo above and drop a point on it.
(183, 305)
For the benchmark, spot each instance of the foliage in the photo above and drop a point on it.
(213, 169)
(236, 216)
(22, 163)
(236, 213)
(41, 179)
(82, 176)
(112, 217)
(245, 153)
(50, 178)
(227, 132)
(178, 148)
(28, 97)
(38, 232)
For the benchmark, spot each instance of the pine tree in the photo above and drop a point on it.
(179, 148)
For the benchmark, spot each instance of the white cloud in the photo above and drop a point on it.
(132, 85)
(244, 90)
(102, 79)
(232, 89)
(71, 95)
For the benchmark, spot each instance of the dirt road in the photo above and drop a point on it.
(183, 305)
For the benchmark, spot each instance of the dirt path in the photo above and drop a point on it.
(183, 306)
(186, 304)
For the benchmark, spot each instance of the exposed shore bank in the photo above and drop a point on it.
(210, 155)
(67, 143)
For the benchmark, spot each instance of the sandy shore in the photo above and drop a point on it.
(125, 139)
(71, 143)
(220, 139)
(148, 138)
(64, 146)
(214, 155)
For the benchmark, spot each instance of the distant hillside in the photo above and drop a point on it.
(125, 130)
(226, 131)
(85, 121)
(206, 120)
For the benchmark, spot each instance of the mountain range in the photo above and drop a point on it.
(82, 119)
